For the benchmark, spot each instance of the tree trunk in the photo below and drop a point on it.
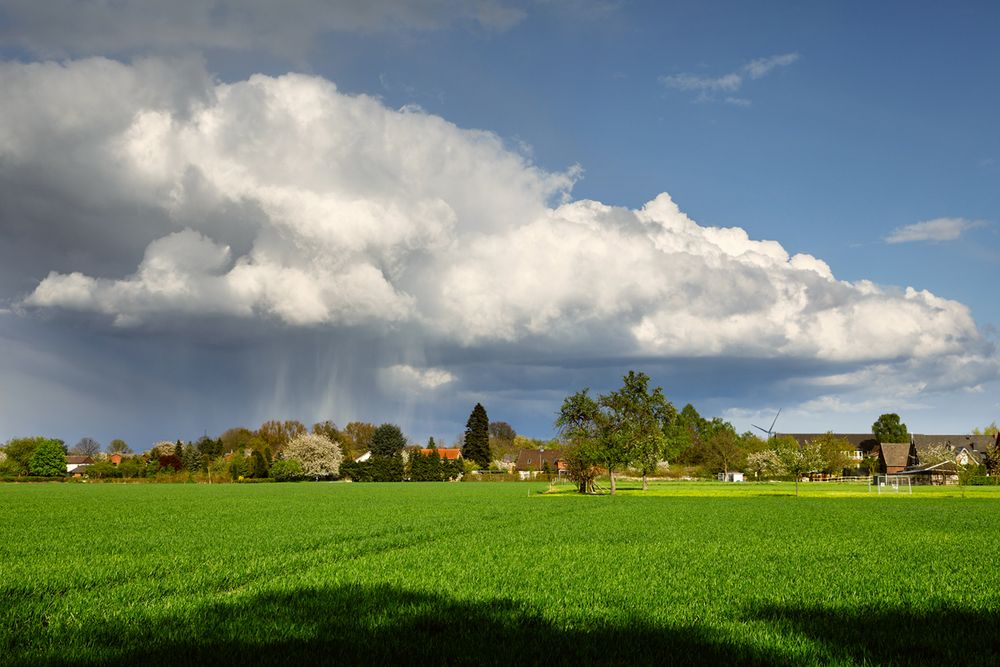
(797, 485)
(645, 482)
(611, 472)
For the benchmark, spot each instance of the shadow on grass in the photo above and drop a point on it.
(945, 635)
(387, 625)
(382, 625)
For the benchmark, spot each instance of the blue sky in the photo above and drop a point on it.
(825, 128)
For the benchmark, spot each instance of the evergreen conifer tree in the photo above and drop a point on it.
(388, 440)
(477, 437)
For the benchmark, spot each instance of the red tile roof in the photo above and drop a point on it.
(447, 453)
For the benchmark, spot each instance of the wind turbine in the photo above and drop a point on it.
(769, 431)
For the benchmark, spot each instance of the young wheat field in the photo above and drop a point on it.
(499, 573)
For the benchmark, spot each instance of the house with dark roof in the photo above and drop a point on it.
(967, 448)
(77, 463)
(537, 460)
(896, 457)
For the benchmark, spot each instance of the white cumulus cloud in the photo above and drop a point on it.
(290, 202)
(407, 378)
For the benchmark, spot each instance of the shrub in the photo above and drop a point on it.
(375, 469)
(103, 469)
(170, 461)
(287, 470)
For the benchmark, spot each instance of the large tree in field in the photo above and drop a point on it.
(317, 454)
(640, 417)
(388, 440)
(476, 444)
(625, 426)
(889, 428)
(578, 426)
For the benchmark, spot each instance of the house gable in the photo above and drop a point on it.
(896, 456)
(536, 459)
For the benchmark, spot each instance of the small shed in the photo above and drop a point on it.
(944, 472)
(731, 476)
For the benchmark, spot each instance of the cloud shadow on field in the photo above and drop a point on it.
(380, 625)
(945, 635)
(388, 625)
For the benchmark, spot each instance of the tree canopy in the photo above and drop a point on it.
(48, 459)
(387, 440)
(889, 428)
(625, 426)
(276, 434)
(87, 447)
(502, 431)
(836, 453)
(640, 416)
(797, 460)
(356, 438)
(119, 446)
(992, 429)
(317, 455)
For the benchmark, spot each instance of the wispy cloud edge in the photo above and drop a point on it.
(936, 230)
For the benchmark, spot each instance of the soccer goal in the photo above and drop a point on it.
(892, 484)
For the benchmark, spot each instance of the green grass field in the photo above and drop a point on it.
(497, 573)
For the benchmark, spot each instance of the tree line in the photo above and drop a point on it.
(636, 428)
(278, 450)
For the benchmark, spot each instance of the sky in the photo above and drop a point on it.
(218, 213)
